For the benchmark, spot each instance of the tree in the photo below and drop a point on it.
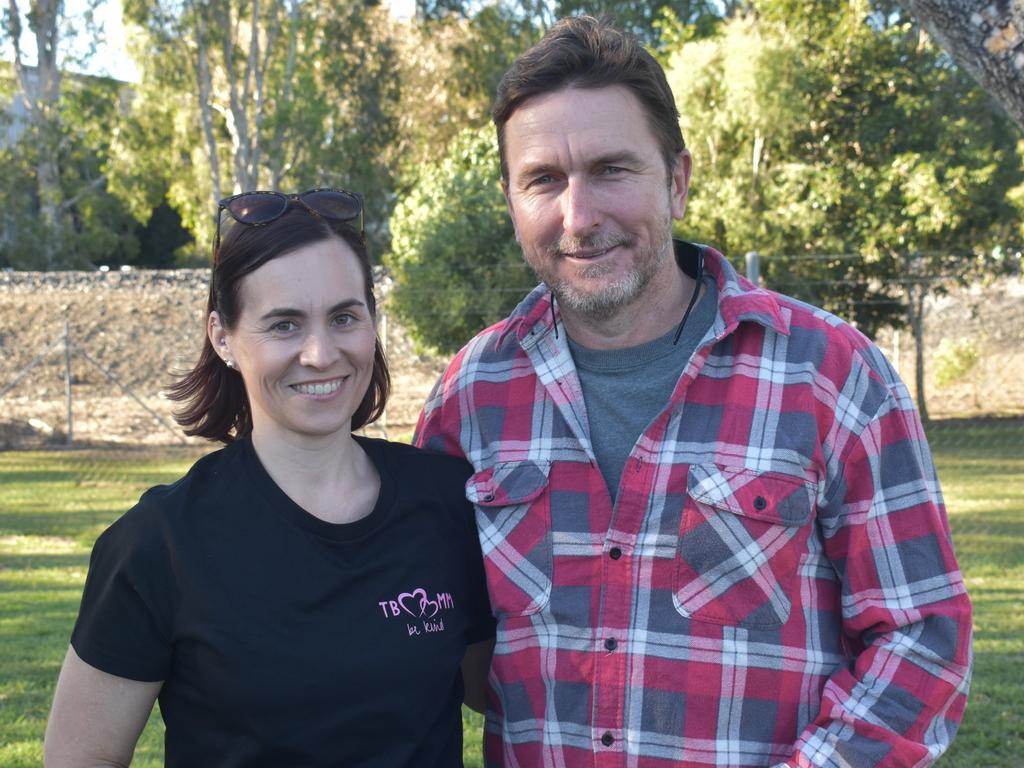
(41, 95)
(838, 133)
(56, 211)
(456, 264)
(986, 38)
(450, 70)
(237, 95)
(647, 19)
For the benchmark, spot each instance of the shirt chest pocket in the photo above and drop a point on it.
(741, 537)
(513, 515)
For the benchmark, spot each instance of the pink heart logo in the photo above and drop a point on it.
(432, 605)
(418, 600)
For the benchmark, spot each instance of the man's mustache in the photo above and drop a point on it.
(574, 246)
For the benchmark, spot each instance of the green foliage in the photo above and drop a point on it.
(454, 258)
(322, 120)
(162, 239)
(93, 226)
(838, 132)
(953, 360)
(647, 19)
(450, 70)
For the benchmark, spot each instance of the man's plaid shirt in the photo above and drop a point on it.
(774, 583)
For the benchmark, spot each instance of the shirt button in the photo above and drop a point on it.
(611, 644)
(760, 503)
(607, 739)
(614, 553)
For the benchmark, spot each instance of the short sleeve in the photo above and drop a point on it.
(125, 622)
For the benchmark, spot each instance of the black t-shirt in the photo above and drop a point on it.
(285, 640)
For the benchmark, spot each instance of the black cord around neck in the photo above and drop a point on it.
(697, 280)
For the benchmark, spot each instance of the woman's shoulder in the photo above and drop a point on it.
(405, 458)
(197, 485)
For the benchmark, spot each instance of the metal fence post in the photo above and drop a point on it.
(754, 267)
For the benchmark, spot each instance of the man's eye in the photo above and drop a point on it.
(541, 180)
(611, 170)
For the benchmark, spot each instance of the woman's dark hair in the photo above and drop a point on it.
(215, 404)
(586, 52)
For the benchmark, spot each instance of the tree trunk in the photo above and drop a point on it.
(245, 88)
(205, 85)
(41, 96)
(986, 38)
(284, 98)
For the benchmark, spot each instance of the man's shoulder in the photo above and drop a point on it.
(808, 318)
(502, 340)
(837, 345)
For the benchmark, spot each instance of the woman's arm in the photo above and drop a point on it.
(475, 666)
(96, 717)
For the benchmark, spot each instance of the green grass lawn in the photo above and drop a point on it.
(54, 504)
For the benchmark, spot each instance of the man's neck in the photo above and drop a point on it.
(659, 309)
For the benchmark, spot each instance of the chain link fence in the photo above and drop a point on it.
(85, 357)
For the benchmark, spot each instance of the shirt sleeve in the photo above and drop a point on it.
(905, 611)
(481, 620)
(124, 625)
(438, 425)
(433, 432)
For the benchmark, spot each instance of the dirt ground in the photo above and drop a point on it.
(129, 332)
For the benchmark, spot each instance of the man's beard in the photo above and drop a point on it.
(606, 301)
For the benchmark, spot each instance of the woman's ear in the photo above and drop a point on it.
(218, 336)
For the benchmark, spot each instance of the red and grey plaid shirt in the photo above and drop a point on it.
(774, 583)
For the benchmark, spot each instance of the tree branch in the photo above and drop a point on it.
(986, 38)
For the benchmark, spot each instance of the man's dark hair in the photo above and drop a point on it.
(215, 403)
(585, 52)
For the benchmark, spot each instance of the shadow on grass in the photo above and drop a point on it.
(33, 562)
(82, 524)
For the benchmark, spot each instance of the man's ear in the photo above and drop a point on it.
(679, 187)
(511, 208)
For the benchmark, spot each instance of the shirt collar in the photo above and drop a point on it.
(738, 299)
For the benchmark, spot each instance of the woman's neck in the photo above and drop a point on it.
(330, 477)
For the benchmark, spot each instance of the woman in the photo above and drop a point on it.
(303, 596)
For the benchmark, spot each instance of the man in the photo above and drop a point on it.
(712, 529)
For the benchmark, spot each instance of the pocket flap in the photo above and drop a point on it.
(508, 483)
(773, 497)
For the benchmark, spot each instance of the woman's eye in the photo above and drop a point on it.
(345, 319)
(284, 326)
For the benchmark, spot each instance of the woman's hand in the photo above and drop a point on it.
(96, 717)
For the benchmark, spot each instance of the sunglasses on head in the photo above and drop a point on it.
(257, 209)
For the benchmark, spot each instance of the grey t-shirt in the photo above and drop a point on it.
(624, 389)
